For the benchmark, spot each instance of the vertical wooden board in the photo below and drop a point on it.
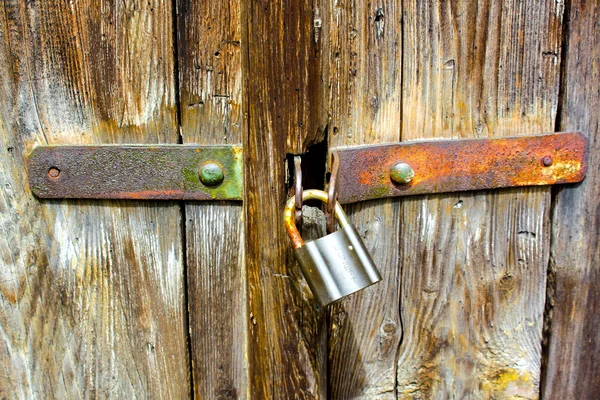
(474, 264)
(91, 293)
(285, 356)
(216, 300)
(574, 341)
(210, 70)
(291, 55)
(365, 80)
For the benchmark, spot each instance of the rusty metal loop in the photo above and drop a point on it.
(332, 193)
(298, 190)
(288, 215)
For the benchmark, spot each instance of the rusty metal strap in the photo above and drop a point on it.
(458, 165)
(215, 172)
(137, 172)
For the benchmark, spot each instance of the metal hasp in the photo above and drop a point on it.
(439, 166)
(161, 172)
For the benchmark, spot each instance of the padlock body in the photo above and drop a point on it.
(337, 265)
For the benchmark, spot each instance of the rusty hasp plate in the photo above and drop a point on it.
(137, 172)
(440, 166)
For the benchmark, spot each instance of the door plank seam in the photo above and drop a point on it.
(183, 216)
(551, 269)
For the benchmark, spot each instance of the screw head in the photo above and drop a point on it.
(547, 161)
(54, 173)
(211, 174)
(402, 173)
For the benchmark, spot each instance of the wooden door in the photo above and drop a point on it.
(491, 294)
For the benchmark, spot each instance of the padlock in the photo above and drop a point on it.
(335, 265)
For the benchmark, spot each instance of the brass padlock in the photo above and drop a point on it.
(335, 265)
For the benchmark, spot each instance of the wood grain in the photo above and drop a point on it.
(474, 264)
(291, 53)
(285, 358)
(364, 66)
(574, 341)
(91, 292)
(210, 65)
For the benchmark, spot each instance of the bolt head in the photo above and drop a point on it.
(211, 174)
(402, 173)
(54, 173)
(547, 161)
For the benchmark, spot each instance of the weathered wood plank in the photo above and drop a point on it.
(91, 293)
(292, 53)
(474, 264)
(285, 358)
(365, 64)
(210, 65)
(572, 363)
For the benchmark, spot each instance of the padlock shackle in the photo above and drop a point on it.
(289, 216)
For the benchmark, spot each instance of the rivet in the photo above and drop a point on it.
(547, 161)
(211, 174)
(54, 173)
(402, 173)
